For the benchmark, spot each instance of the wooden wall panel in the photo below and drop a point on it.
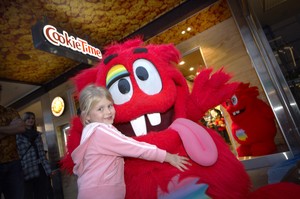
(222, 45)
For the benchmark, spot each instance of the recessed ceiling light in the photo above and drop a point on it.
(191, 69)
(183, 32)
(189, 29)
(182, 62)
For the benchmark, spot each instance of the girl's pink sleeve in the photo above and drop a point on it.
(109, 140)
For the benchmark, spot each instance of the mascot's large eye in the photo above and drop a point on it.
(147, 76)
(234, 100)
(121, 90)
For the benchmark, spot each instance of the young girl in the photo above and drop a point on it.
(99, 162)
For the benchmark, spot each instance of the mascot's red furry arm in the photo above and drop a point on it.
(253, 122)
(153, 104)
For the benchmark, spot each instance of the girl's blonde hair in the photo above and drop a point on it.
(89, 96)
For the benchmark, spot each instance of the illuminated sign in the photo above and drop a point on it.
(48, 38)
(57, 106)
(76, 44)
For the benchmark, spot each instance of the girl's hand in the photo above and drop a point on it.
(177, 161)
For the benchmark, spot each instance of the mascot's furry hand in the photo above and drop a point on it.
(253, 122)
(209, 90)
(151, 100)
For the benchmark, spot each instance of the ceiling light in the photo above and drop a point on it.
(189, 29)
(57, 106)
(191, 69)
(182, 62)
(183, 32)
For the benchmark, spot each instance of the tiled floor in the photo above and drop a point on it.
(69, 183)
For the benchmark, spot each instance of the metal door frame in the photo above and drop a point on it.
(277, 91)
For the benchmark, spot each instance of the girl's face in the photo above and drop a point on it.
(30, 121)
(103, 112)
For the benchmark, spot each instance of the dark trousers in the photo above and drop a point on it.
(11, 180)
(37, 188)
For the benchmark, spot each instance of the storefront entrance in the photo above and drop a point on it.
(274, 51)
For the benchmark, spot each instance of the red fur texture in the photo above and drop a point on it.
(145, 67)
(254, 127)
(84, 78)
(143, 178)
(208, 91)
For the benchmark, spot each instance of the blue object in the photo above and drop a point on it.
(279, 170)
(185, 189)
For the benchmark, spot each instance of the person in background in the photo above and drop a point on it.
(36, 167)
(11, 175)
(99, 162)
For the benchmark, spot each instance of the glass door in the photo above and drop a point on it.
(270, 31)
(279, 20)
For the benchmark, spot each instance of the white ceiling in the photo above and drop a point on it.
(12, 92)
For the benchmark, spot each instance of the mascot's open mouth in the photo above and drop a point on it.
(235, 113)
(146, 123)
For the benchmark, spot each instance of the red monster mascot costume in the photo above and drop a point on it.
(153, 104)
(253, 122)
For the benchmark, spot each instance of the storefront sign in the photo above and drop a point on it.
(48, 38)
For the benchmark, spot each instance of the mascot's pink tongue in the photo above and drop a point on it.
(197, 142)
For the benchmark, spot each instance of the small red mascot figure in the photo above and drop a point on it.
(253, 122)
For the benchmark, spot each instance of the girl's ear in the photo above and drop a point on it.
(87, 120)
(84, 117)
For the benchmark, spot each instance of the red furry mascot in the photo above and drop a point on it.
(253, 122)
(153, 104)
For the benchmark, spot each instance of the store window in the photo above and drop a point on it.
(269, 32)
(214, 50)
(190, 66)
(215, 120)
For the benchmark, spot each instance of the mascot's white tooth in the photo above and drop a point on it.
(139, 126)
(154, 119)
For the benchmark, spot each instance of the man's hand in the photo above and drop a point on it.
(16, 126)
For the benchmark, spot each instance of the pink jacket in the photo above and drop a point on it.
(99, 162)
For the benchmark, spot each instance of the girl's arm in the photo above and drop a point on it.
(110, 141)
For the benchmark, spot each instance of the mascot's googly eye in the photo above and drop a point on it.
(147, 76)
(234, 100)
(121, 90)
